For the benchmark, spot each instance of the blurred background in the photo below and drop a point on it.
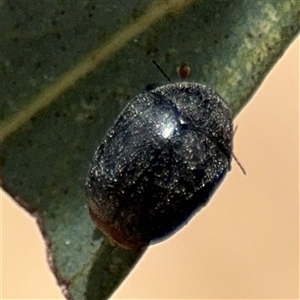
(243, 245)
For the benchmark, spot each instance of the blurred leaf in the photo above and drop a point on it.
(69, 67)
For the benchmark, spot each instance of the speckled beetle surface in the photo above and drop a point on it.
(160, 163)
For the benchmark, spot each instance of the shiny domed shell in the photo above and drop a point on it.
(159, 163)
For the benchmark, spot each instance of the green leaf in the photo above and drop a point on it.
(67, 71)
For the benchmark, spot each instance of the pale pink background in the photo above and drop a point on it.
(244, 244)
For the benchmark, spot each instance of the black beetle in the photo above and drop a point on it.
(160, 163)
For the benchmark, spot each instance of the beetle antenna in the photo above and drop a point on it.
(235, 158)
(239, 164)
(161, 70)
